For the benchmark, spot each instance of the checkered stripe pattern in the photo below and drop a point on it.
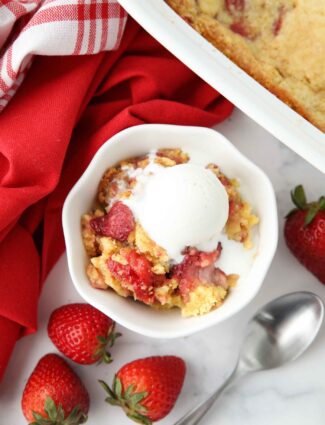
(53, 27)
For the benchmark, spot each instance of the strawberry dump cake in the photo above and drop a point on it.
(280, 43)
(161, 228)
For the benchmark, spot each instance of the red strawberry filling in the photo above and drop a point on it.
(117, 223)
(234, 207)
(235, 6)
(225, 181)
(136, 275)
(279, 21)
(242, 29)
(196, 268)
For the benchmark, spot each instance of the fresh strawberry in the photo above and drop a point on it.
(54, 394)
(117, 223)
(147, 389)
(198, 267)
(304, 232)
(82, 333)
(136, 275)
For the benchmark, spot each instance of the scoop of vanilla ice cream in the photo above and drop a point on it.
(179, 206)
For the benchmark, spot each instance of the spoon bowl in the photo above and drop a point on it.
(281, 331)
(278, 333)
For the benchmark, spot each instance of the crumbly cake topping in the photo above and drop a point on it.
(281, 43)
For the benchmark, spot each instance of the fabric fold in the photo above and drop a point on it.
(63, 112)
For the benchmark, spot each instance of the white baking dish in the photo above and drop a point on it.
(210, 64)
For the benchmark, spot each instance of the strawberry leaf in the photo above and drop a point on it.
(298, 197)
(50, 409)
(321, 203)
(76, 417)
(140, 419)
(107, 389)
(60, 414)
(112, 401)
(117, 387)
(112, 338)
(37, 416)
(101, 353)
(128, 392)
(56, 415)
(106, 357)
(102, 339)
(312, 212)
(40, 420)
(128, 400)
(136, 398)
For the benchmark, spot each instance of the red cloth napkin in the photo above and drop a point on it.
(64, 111)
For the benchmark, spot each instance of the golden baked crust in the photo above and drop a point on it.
(280, 43)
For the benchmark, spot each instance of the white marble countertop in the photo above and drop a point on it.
(292, 395)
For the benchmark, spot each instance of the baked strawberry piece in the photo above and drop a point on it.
(198, 268)
(135, 275)
(117, 223)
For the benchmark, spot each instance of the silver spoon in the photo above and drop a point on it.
(279, 333)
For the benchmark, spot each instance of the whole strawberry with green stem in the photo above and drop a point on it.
(147, 389)
(304, 232)
(82, 333)
(54, 394)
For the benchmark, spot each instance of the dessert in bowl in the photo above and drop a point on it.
(169, 218)
(161, 224)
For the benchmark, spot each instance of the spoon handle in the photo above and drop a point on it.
(194, 416)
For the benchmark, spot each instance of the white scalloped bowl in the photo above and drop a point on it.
(254, 185)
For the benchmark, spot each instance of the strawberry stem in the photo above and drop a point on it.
(298, 197)
(56, 416)
(101, 353)
(312, 211)
(129, 400)
(321, 202)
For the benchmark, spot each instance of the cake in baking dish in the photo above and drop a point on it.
(280, 43)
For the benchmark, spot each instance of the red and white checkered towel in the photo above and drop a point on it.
(53, 28)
